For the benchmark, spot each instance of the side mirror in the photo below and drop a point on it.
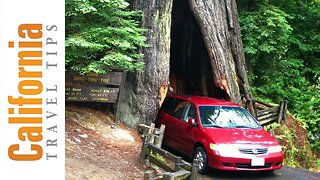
(192, 122)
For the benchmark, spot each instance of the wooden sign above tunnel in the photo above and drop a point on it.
(92, 94)
(112, 78)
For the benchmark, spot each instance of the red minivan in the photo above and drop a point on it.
(221, 134)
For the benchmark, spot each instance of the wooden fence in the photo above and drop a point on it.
(267, 113)
(151, 151)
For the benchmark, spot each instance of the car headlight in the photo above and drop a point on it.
(212, 146)
(224, 149)
(274, 149)
(215, 147)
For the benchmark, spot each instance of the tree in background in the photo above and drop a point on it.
(101, 35)
(281, 41)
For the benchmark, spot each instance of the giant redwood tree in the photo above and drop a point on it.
(195, 47)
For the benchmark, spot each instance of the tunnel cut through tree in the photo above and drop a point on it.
(190, 68)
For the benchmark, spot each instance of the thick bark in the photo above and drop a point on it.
(218, 21)
(141, 97)
(219, 47)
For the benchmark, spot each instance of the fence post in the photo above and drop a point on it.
(280, 115)
(148, 175)
(177, 165)
(156, 141)
(285, 110)
(168, 176)
(144, 149)
(162, 127)
(254, 104)
(195, 169)
(151, 134)
(158, 138)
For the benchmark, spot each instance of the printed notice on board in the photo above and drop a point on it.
(32, 99)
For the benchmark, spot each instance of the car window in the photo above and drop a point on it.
(178, 108)
(190, 112)
(226, 117)
(166, 105)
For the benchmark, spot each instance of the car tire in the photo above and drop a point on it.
(201, 154)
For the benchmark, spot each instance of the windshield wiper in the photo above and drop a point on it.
(212, 125)
(241, 126)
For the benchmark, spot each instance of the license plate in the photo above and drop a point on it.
(257, 162)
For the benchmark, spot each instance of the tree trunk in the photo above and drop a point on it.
(218, 21)
(221, 48)
(141, 99)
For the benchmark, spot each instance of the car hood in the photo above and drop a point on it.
(240, 136)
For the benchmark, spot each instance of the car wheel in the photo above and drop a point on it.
(200, 154)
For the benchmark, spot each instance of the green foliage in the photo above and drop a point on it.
(281, 42)
(271, 127)
(297, 151)
(318, 163)
(102, 34)
(291, 151)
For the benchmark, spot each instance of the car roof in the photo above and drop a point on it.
(202, 100)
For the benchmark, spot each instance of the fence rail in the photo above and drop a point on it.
(151, 150)
(267, 113)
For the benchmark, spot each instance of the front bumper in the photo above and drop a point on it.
(272, 161)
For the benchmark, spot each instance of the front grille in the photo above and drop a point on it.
(254, 151)
(248, 166)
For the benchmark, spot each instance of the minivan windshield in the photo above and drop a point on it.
(226, 117)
